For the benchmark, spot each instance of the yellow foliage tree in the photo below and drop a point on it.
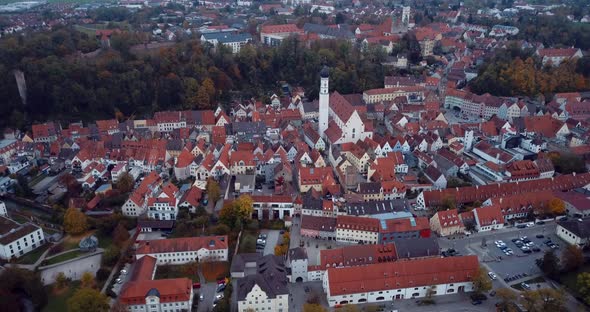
(281, 250)
(75, 221)
(244, 207)
(313, 308)
(556, 206)
(87, 280)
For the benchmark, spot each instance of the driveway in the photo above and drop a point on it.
(124, 277)
(272, 239)
(208, 292)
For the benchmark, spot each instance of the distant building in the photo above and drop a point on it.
(267, 289)
(231, 40)
(574, 232)
(184, 250)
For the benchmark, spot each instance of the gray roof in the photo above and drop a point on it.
(375, 207)
(298, 253)
(580, 228)
(227, 37)
(271, 277)
(248, 127)
(239, 261)
(339, 33)
(416, 247)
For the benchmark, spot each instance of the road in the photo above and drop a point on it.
(272, 239)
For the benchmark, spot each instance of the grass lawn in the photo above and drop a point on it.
(248, 242)
(57, 300)
(20, 219)
(177, 271)
(66, 256)
(34, 255)
(104, 241)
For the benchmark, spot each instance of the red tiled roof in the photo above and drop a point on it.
(287, 28)
(483, 192)
(357, 255)
(170, 290)
(246, 156)
(489, 215)
(449, 218)
(184, 159)
(401, 274)
(341, 107)
(357, 223)
(182, 244)
(314, 176)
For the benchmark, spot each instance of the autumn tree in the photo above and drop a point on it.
(88, 299)
(213, 190)
(481, 281)
(120, 235)
(87, 280)
(75, 222)
(313, 308)
(572, 258)
(125, 183)
(583, 284)
(281, 250)
(544, 299)
(556, 206)
(507, 297)
(244, 206)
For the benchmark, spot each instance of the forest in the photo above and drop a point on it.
(517, 72)
(66, 82)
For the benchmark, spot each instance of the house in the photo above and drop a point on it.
(235, 41)
(118, 171)
(191, 199)
(273, 35)
(175, 251)
(555, 57)
(400, 280)
(298, 262)
(3, 211)
(46, 132)
(437, 179)
(488, 218)
(574, 232)
(267, 289)
(185, 165)
(313, 139)
(136, 205)
(143, 293)
(17, 239)
(577, 205)
(462, 195)
(317, 179)
(357, 229)
(242, 162)
(318, 227)
(447, 222)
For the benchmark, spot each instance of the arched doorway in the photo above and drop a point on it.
(299, 279)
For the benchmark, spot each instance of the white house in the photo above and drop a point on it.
(18, 239)
(267, 289)
(184, 250)
(298, 262)
(391, 281)
(3, 211)
(574, 232)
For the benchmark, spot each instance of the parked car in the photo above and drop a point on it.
(119, 281)
(124, 272)
(201, 297)
(540, 236)
(196, 285)
(492, 275)
(525, 285)
(219, 296)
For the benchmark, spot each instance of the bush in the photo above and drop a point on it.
(253, 225)
(110, 255)
(220, 229)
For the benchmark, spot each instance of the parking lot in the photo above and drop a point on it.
(122, 277)
(207, 292)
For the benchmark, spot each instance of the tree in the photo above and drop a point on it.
(87, 280)
(572, 258)
(281, 250)
(244, 207)
(583, 283)
(544, 299)
(481, 281)
(61, 281)
(75, 221)
(313, 308)
(549, 264)
(88, 299)
(125, 183)
(19, 281)
(507, 298)
(111, 255)
(120, 235)
(213, 190)
(556, 206)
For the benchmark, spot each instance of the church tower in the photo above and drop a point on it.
(324, 101)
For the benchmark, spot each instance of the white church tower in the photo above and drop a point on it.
(324, 109)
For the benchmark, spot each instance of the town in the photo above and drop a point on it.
(294, 156)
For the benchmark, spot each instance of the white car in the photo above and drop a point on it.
(119, 281)
(201, 297)
(124, 272)
(219, 297)
(492, 275)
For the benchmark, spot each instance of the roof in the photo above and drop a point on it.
(401, 274)
(298, 253)
(449, 218)
(489, 215)
(341, 107)
(577, 227)
(144, 269)
(182, 244)
(408, 248)
(358, 223)
(271, 277)
(287, 28)
(357, 255)
(483, 192)
(226, 37)
(314, 223)
(11, 231)
(167, 290)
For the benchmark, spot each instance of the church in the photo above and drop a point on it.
(339, 121)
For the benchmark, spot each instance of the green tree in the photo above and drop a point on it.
(549, 264)
(20, 280)
(572, 258)
(191, 88)
(88, 299)
(125, 183)
(111, 255)
(75, 222)
(120, 235)
(481, 281)
(507, 297)
(583, 284)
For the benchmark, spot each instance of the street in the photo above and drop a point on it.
(272, 239)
